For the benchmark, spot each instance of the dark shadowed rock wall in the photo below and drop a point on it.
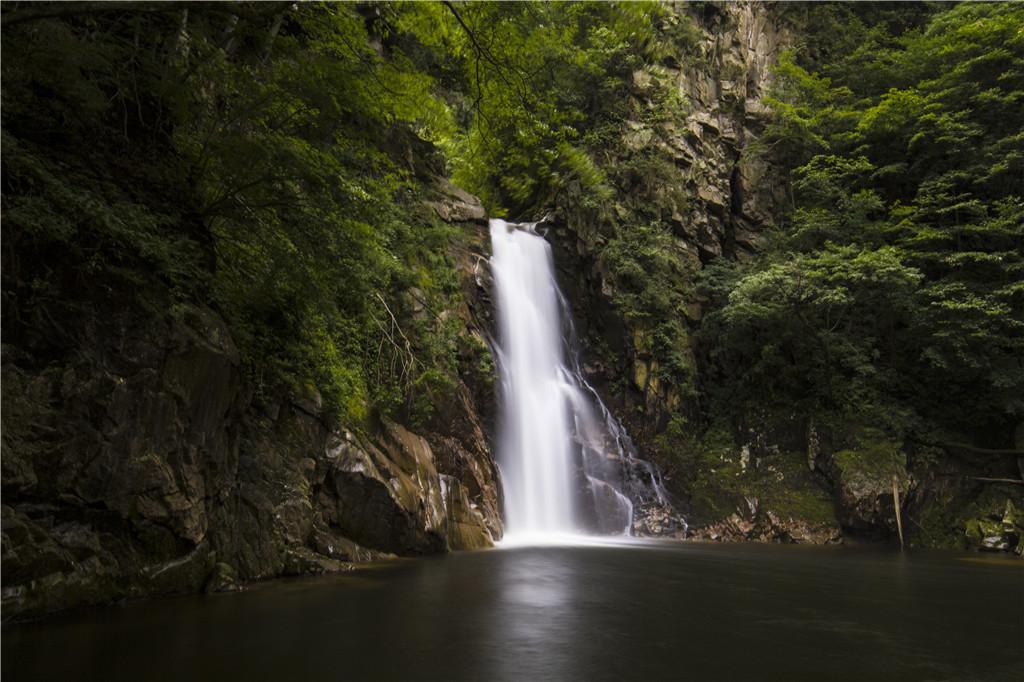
(143, 465)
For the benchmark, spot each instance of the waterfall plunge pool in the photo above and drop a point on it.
(616, 610)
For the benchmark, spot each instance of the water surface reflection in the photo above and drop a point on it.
(637, 611)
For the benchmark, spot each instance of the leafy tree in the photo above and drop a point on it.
(246, 156)
(893, 290)
(534, 78)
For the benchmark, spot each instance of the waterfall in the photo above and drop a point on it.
(534, 441)
(566, 464)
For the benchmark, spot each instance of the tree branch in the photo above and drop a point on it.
(481, 51)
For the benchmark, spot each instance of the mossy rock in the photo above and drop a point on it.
(875, 461)
(223, 578)
(988, 535)
(864, 476)
(777, 487)
(999, 527)
(798, 494)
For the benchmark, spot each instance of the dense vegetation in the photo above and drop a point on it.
(891, 295)
(245, 156)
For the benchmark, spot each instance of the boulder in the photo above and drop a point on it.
(454, 204)
(864, 477)
(223, 578)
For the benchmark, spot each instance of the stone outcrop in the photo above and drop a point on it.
(864, 480)
(723, 81)
(769, 527)
(684, 160)
(145, 466)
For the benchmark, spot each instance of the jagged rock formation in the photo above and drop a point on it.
(687, 162)
(723, 80)
(144, 467)
(694, 119)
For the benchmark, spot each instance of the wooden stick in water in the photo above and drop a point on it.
(896, 504)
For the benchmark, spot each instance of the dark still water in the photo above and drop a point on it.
(648, 611)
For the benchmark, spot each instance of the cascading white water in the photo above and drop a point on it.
(534, 447)
(565, 470)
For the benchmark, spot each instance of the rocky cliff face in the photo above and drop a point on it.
(144, 466)
(722, 80)
(683, 160)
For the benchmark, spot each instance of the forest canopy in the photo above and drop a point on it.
(892, 293)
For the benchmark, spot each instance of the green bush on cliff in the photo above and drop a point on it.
(531, 81)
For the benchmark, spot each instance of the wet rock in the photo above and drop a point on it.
(335, 546)
(768, 526)
(392, 499)
(376, 496)
(801, 531)
(476, 480)
(864, 482)
(304, 561)
(465, 526)
(654, 520)
(612, 512)
(988, 535)
(223, 578)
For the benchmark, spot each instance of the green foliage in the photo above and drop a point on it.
(537, 77)
(273, 160)
(648, 275)
(251, 156)
(892, 294)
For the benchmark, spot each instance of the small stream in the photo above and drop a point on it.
(619, 610)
